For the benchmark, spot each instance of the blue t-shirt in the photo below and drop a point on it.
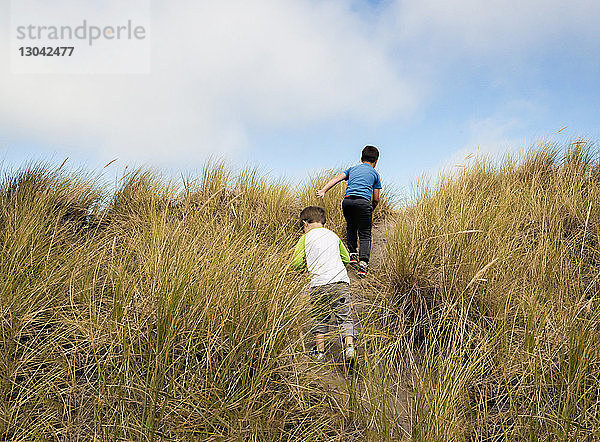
(362, 179)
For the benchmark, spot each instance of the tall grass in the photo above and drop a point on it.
(497, 271)
(167, 310)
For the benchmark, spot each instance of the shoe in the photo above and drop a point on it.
(318, 355)
(363, 269)
(353, 259)
(349, 354)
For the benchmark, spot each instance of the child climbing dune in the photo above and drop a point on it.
(361, 198)
(325, 256)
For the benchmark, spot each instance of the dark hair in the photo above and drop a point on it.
(313, 214)
(370, 154)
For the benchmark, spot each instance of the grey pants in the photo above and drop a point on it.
(332, 300)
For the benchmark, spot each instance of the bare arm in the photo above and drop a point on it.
(332, 182)
(375, 198)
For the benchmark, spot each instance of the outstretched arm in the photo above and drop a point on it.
(332, 182)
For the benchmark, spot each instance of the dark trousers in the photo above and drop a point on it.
(358, 213)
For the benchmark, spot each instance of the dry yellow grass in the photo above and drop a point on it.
(167, 311)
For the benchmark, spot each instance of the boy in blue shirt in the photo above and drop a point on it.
(361, 198)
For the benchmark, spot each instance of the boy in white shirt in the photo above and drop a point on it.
(325, 256)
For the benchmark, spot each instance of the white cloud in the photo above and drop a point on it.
(488, 137)
(219, 69)
(493, 136)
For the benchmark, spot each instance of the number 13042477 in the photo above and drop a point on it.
(46, 51)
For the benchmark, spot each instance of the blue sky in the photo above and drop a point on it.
(295, 86)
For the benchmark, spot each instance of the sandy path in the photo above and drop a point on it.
(364, 294)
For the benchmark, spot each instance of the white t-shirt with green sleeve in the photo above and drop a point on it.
(325, 255)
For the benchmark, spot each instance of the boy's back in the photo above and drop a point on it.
(362, 180)
(323, 251)
(361, 198)
(330, 296)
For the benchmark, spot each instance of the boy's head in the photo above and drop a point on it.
(312, 215)
(370, 154)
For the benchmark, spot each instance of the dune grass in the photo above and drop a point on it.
(167, 310)
(169, 313)
(497, 269)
